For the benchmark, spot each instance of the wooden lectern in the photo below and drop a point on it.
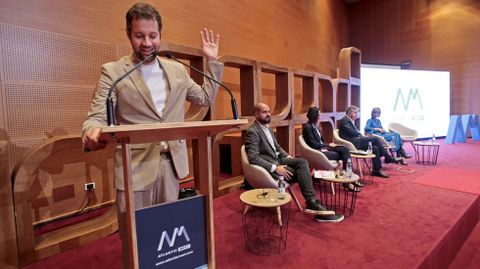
(200, 132)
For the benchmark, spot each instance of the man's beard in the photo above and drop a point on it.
(140, 56)
(266, 120)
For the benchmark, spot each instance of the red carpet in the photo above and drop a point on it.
(469, 254)
(397, 224)
(457, 179)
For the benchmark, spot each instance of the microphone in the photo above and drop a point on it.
(110, 109)
(233, 103)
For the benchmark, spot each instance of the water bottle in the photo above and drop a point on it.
(433, 138)
(348, 169)
(370, 148)
(281, 188)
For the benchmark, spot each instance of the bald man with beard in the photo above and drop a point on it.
(263, 150)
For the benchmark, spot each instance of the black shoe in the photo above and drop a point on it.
(405, 154)
(333, 218)
(402, 162)
(397, 160)
(359, 184)
(350, 187)
(390, 160)
(315, 207)
(379, 174)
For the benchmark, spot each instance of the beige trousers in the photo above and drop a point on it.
(165, 189)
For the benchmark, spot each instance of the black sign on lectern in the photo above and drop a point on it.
(172, 235)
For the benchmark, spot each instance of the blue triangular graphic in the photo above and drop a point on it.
(455, 130)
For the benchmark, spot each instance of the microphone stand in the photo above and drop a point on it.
(110, 107)
(233, 102)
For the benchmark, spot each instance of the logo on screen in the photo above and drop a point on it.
(177, 232)
(413, 95)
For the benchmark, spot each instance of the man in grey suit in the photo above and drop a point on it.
(263, 150)
(348, 130)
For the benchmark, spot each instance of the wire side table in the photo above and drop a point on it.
(265, 221)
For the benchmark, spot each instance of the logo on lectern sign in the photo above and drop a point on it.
(172, 235)
(178, 231)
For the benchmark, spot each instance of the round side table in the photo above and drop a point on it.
(426, 152)
(368, 178)
(335, 196)
(265, 220)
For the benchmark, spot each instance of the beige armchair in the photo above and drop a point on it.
(338, 140)
(405, 133)
(258, 177)
(316, 159)
(387, 145)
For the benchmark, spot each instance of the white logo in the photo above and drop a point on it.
(171, 240)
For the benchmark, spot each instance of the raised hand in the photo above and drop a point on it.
(210, 44)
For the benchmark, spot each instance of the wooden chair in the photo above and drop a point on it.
(258, 177)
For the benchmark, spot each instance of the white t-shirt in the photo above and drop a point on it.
(157, 83)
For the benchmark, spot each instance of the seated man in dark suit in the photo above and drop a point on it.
(313, 137)
(348, 131)
(263, 150)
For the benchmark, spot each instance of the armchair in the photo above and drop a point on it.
(258, 177)
(405, 133)
(338, 140)
(315, 158)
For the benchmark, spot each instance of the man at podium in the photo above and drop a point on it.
(155, 92)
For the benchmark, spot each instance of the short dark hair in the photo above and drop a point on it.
(313, 114)
(143, 11)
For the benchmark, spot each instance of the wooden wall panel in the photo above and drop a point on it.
(433, 35)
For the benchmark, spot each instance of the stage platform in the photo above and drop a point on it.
(418, 218)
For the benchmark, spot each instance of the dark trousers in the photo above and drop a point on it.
(377, 149)
(338, 153)
(301, 174)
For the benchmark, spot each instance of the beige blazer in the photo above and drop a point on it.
(134, 105)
